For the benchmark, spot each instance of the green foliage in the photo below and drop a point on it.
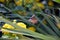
(48, 31)
(58, 1)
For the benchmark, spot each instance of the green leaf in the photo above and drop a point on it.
(6, 39)
(34, 34)
(58, 1)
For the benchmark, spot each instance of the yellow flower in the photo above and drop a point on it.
(8, 26)
(50, 3)
(32, 29)
(2, 1)
(21, 25)
(18, 2)
(41, 5)
(4, 31)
